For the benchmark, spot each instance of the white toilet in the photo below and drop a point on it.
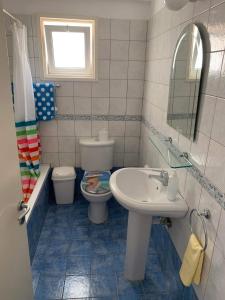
(97, 161)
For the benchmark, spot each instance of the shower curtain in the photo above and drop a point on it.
(28, 140)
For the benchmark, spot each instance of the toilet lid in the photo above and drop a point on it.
(96, 182)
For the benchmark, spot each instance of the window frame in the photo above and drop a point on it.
(89, 30)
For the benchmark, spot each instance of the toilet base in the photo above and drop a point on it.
(98, 212)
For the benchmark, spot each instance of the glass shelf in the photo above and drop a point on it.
(174, 157)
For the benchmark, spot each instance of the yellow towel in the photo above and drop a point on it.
(191, 268)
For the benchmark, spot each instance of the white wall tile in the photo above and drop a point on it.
(134, 106)
(135, 89)
(65, 128)
(216, 27)
(48, 128)
(215, 165)
(83, 89)
(65, 89)
(199, 150)
(83, 128)
(103, 69)
(138, 30)
(49, 144)
(82, 106)
(36, 47)
(118, 69)
(67, 159)
(66, 144)
(132, 144)
(118, 159)
(65, 105)
(116, 128)
(119, 144)
(100, 88)
(215, 287)
(118, 88)
(206, 114)
(137, 50)
(220, 240)
(117, 106)
(104, 28)
(133, 128)
(104, 49)
(218, 128)
(131, 159)
(50, 158)
(120, 30)
(206, 201)
(221, 87)
(192, 191)
(100, 106)
(136, 70)
(213, 79)
(119, 50)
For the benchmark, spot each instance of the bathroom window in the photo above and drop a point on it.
(68, 48)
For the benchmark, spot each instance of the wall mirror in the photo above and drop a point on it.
(185, 82)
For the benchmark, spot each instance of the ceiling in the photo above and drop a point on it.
(121, 9)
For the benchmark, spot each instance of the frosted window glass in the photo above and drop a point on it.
(69, 49)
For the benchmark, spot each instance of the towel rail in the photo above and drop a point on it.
(201, 214)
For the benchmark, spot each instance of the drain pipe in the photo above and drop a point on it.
(163, 221)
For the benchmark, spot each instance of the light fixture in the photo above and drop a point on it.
(176, 4)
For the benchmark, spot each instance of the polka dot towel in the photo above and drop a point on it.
(44, 101)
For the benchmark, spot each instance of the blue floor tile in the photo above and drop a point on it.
(90, 258)
(35, 279)
(128, 288)
(102, 264)
(78, 265)
(51, 264)
(76, 287)
(49, 287)
(103, 286)
(82, 248)
(80, 233)
(101, 247)
(131, 296)
(99, 232)
(162, 282)
(119, 262)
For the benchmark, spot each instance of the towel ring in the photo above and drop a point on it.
(204, 214)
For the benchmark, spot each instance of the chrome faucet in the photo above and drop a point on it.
(163, 176)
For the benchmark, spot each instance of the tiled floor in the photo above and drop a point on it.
(76, 259)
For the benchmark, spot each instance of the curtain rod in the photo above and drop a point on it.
(11, 16)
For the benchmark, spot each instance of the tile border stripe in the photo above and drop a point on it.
(99, 117)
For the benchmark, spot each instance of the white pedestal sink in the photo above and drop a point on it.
(144, 197)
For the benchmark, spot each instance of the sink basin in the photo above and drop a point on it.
(136, 191)
(144, 196)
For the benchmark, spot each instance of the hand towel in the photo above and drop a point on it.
(44, 101)
(191, 268)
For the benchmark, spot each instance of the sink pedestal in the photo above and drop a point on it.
(138, 234)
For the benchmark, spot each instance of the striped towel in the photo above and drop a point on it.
(28, 142)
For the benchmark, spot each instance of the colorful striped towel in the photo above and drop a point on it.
(28, 143)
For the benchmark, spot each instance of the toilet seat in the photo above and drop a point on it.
(96, 183)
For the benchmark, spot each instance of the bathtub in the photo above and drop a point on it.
(44, 170)
(39, 205)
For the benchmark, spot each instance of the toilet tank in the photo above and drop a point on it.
(96, 155)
